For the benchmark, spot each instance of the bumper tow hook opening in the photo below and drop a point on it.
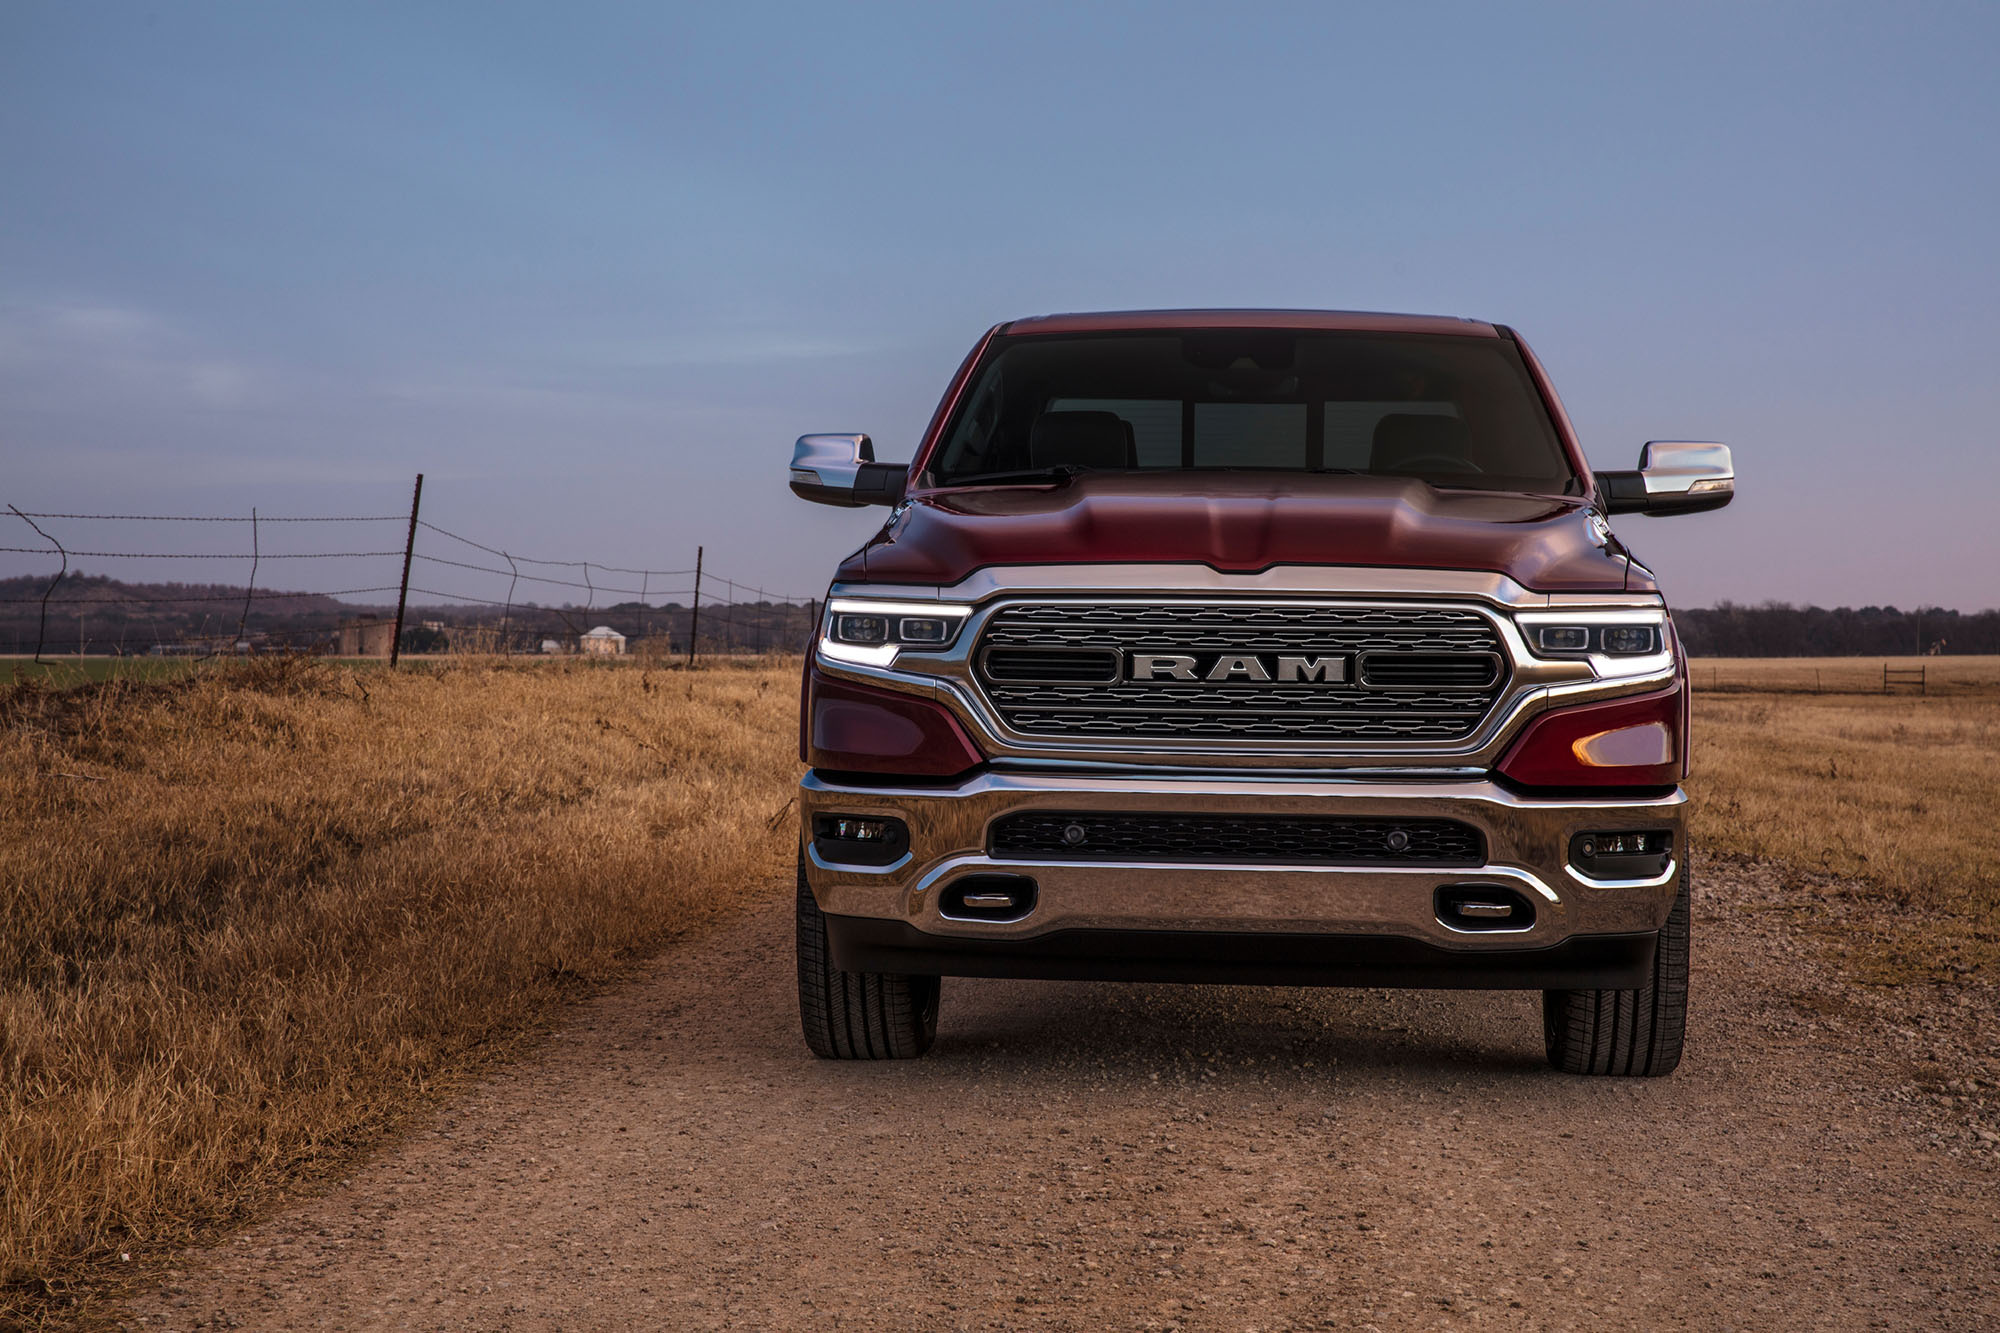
(1483, 907)
(988, 898)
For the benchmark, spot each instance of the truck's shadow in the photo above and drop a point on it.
(1191, 1034)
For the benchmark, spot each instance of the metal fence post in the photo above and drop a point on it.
(42, 626)
(409, 550)
(249, 591)
(694, 620)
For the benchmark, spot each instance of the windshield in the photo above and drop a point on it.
(1451, 411)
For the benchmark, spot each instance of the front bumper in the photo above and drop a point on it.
(1368, 925)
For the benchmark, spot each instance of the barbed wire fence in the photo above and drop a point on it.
(660, 611)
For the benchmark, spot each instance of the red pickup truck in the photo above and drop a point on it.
(1287, 647)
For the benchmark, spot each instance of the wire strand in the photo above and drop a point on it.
(222, 518)
(208, 555)
(268, 596)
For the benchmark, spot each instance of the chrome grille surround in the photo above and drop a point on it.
(1533, 684)
(1225, 710)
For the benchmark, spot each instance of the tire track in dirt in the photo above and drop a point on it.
(1149, 1157)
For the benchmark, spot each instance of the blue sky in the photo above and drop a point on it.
(592, 267)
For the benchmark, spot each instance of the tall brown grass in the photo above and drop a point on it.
(1810, 763)
(251, 915)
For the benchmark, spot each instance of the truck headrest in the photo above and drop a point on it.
(1082, 439)
(1401, 437)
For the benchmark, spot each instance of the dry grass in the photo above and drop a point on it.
(253, 915)
(1898, 790)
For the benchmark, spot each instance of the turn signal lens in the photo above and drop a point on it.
(861, 729)
(1632, 742)
(1626, 747)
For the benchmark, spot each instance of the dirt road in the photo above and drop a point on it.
(1109, 1157)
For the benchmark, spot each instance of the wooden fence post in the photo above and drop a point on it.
(694, 620)
(409, 550)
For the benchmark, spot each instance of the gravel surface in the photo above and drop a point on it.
(1151, 1157)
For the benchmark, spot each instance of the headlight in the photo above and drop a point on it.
(871, 633)
(1613, 640)
(861, 629)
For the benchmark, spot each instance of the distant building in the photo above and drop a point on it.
(554, 647)
(367, 636)
(603, 641)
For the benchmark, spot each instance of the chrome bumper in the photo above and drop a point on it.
(1527, 844)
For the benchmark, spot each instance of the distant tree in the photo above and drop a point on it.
(1777, 629)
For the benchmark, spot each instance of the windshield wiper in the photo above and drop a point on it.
(1022, 477)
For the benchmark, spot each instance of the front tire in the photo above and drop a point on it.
(858, 1015)
(1627, 1032)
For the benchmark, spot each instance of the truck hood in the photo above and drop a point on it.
(1243, 522)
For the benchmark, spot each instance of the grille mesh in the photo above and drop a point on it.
(1193, 837)
(1417, 674)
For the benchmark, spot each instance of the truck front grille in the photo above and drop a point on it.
(1294, 839)
(1193, 671)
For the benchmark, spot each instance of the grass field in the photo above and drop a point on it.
(66, 672)
(1806, 761)
(256, 913)
(1942, 676)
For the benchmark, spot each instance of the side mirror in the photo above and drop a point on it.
(1674, 477)
(841, 470)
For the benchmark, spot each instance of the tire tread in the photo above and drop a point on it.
(1627, 1032)
(857, 1015)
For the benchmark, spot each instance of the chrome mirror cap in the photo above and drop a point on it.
(1685, 467)
(824, 468)
(841, 470)
(1674, 477)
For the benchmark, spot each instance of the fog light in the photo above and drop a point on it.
(859, 839)
(1622, 854)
